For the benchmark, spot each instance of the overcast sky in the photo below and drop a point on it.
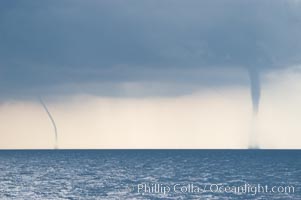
(55, 46)
(145, 50)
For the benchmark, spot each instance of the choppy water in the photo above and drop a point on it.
(126, 174)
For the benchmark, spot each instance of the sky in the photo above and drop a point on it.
(150, 74)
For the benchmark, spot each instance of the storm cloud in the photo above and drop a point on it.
(50, 45)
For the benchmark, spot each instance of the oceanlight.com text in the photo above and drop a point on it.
(253, 189)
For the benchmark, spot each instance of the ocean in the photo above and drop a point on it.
(150, 174)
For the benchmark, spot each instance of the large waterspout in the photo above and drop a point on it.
(255, 94)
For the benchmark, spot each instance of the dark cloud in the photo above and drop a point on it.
(46, 44)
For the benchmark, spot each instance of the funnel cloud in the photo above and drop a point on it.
(52, 122)
(255, 95)
(255, 89)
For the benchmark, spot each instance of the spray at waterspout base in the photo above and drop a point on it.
(253, 143)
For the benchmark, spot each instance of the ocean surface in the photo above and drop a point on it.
(150, 174)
